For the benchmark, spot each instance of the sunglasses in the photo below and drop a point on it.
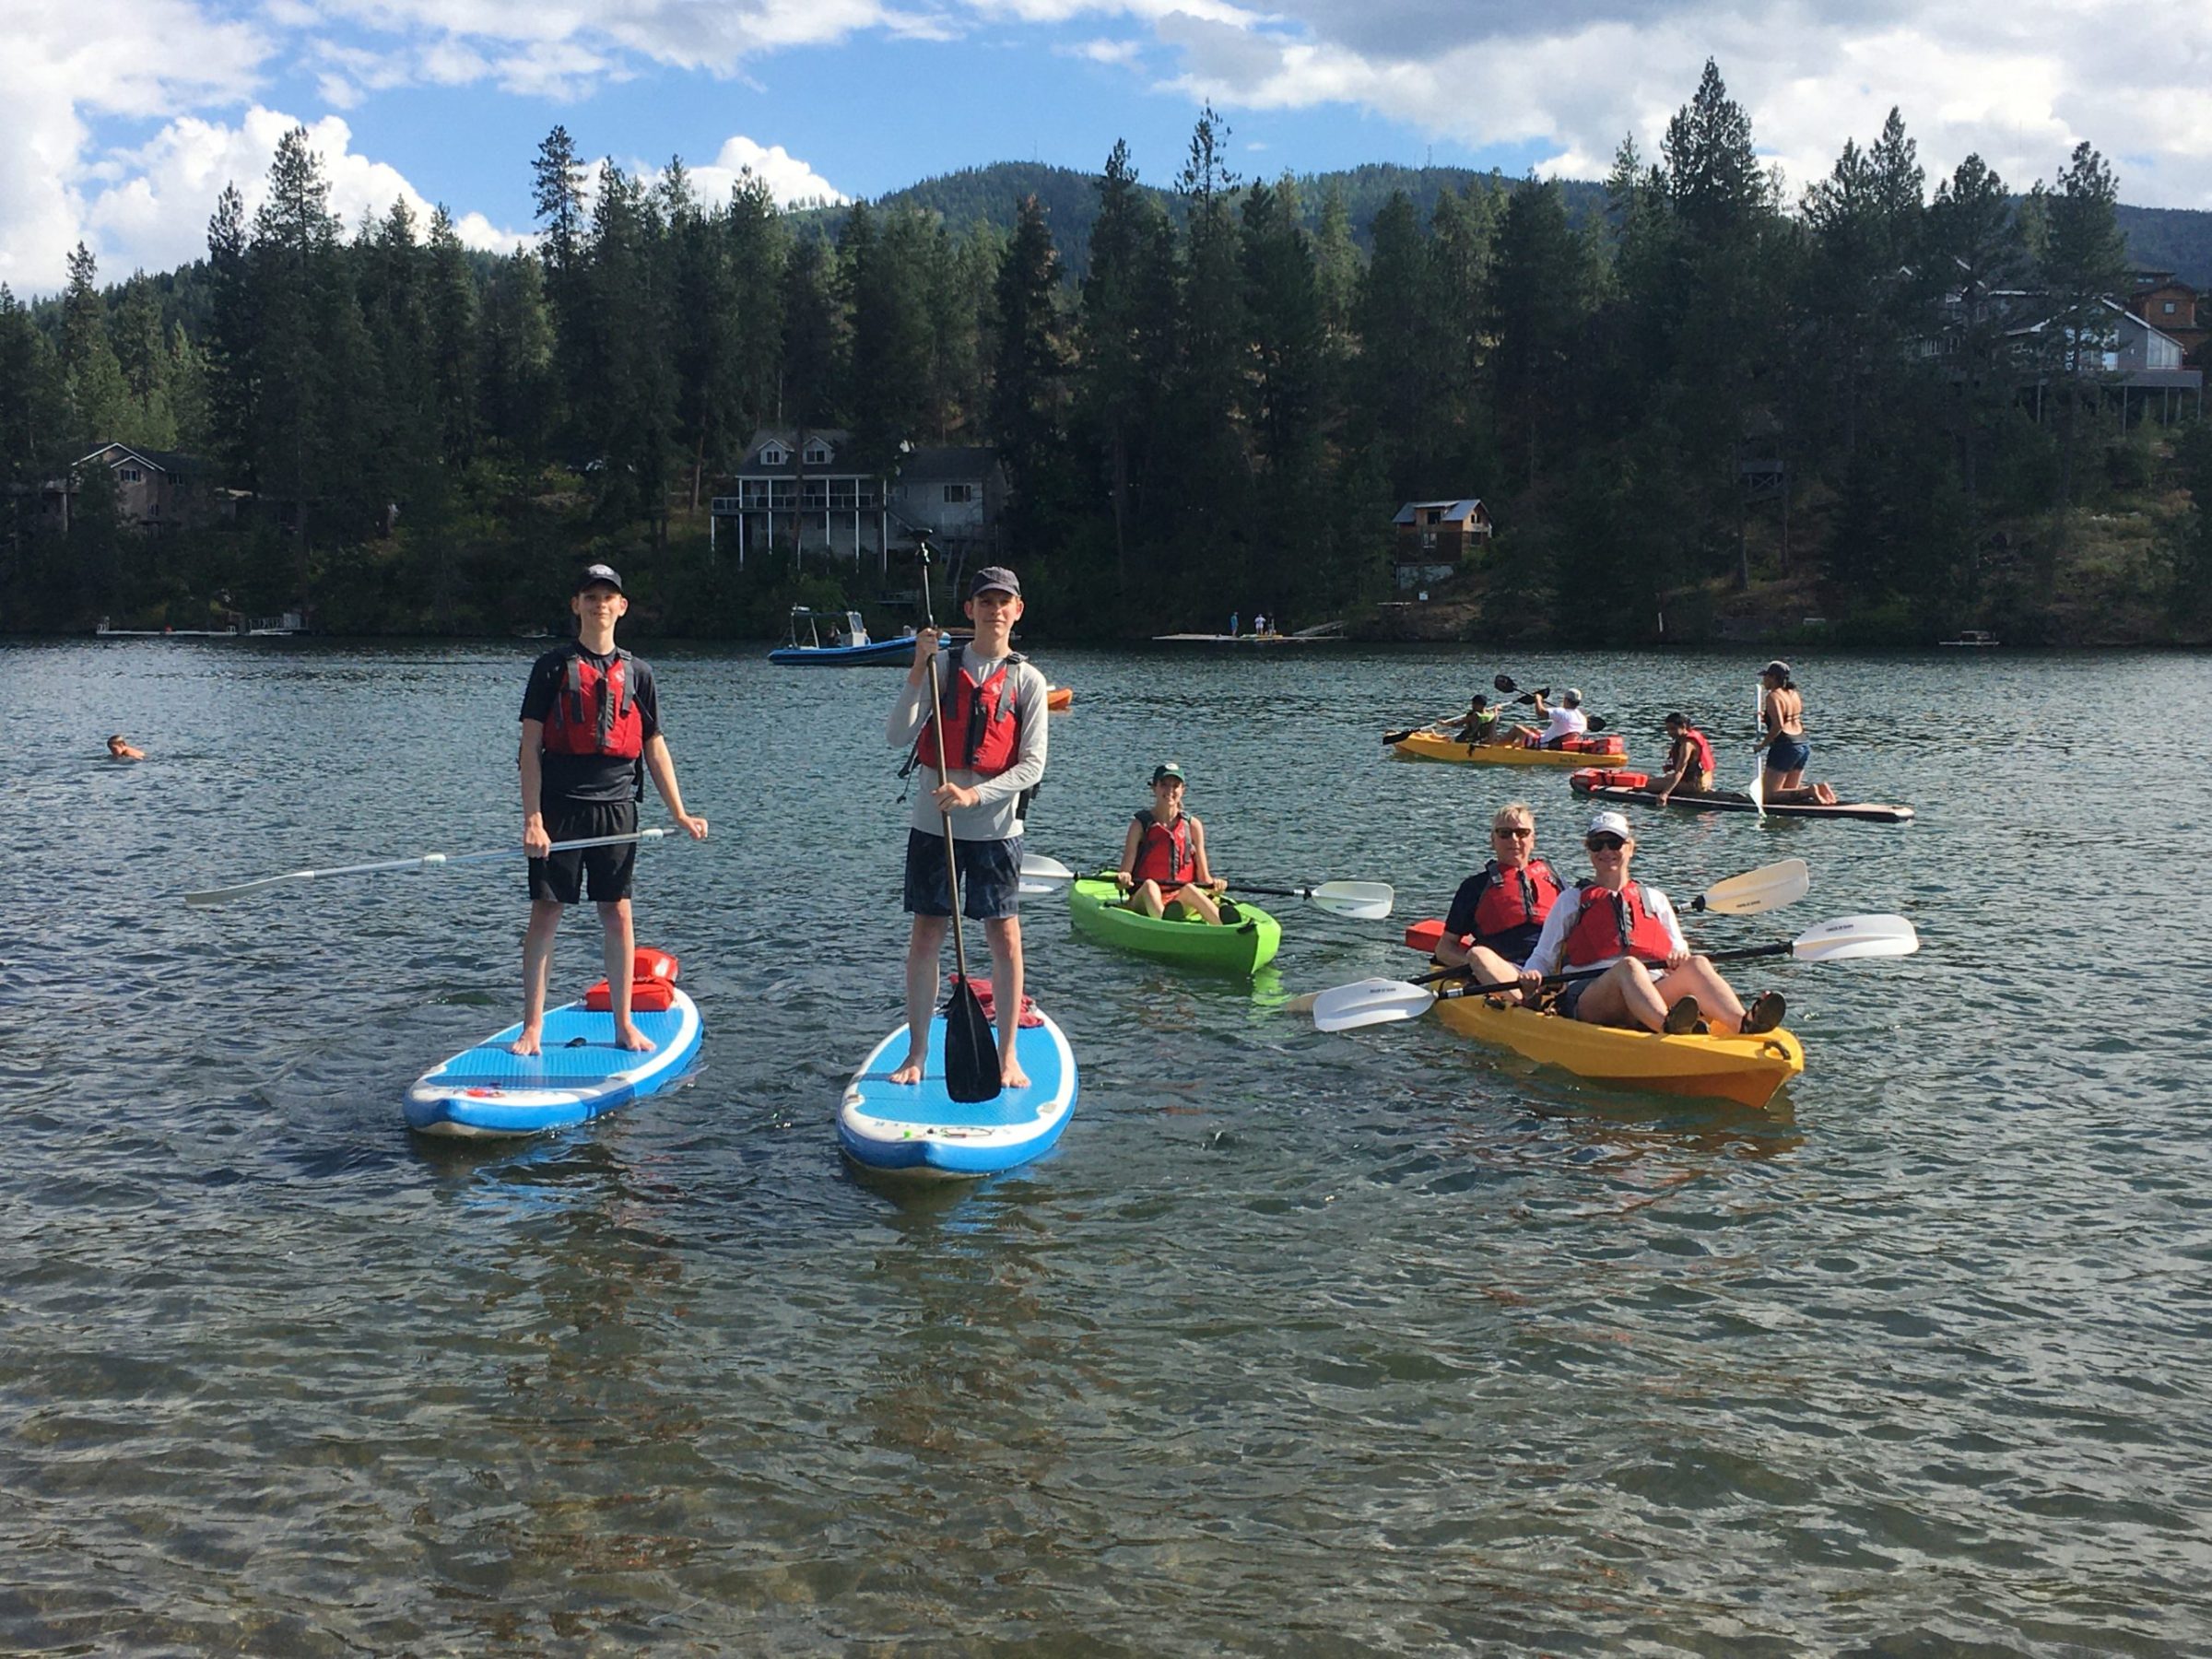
(1513, 828)
(1604, 843)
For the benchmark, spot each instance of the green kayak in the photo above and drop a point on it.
(1244, 945)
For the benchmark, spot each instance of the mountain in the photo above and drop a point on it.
(2166, 238)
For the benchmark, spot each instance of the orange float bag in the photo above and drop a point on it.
(652, 984)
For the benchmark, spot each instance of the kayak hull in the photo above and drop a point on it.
(1435, 746)
(1095, 910)
(487, 1092)
(1745, 1069)
(919, 1130)
(1728, 801)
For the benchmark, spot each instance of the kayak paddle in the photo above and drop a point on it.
(971, 1062)
(1758, 764)
(1768, 888)
(1363, 900)
(1504, 682)
(425, 861)
(1384, 1001)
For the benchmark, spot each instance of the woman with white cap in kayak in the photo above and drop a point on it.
(1561, 724)
(1651, 979)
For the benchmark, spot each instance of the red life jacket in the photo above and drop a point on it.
(1611, 924)
(982, 724)
(1512, 903)
(595, 711)
(1163, 854)
(1700, 750)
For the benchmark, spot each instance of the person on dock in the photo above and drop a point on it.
(1562, 722)
(1234, 617)
(1163, 856)
(591, 732)
(1499, 913)
(119, 748)
(1782, 715)
(1689, 766)
(1259, 626)
(1651, 981)
(989, 742)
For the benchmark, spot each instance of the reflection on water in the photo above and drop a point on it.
(1296, 1343)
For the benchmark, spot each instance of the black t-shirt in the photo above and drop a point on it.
(588, 780)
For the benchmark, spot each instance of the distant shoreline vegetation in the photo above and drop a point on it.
(1694, 410)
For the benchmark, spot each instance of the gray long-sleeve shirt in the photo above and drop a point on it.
(991, 818)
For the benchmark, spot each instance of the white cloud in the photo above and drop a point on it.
(788, 179)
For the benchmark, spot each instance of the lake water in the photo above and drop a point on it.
(1298, 1344)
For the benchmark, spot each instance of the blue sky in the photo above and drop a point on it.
(446, 100)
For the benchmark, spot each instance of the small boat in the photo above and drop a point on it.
(838, 640)
(1728, 800)
(1435, 745)
(1057, 698)
(1734, 1068)
(1242, 945)
(1971, 636)
(487, 1091)
(1325, 633)
(918, 1129)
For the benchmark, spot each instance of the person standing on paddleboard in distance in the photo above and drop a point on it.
(995, 727)
(591, 732)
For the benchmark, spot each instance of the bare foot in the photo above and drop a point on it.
(1013, 1076)
(627, 1035)
(910, 1070)
(528, 1043)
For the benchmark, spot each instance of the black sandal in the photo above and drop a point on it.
(1764, 1014)
(1682, 1019)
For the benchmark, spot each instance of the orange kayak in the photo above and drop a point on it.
(1057, 697)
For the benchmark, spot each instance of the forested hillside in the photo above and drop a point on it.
(1883, 402)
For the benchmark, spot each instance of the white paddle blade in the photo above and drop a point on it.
(1853, 939)
(1037, 867)
(1363, 900)
(214, 896)
(1756, 891)
(1371, 1002)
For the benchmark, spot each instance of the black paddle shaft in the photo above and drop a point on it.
(1742, 953)
(972, 1058)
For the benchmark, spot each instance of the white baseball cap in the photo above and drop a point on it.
(1610, 823)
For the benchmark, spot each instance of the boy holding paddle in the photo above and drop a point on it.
(989, 740)
(591, 731)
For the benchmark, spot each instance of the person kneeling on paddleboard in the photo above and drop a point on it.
(591, 732)
(1624, 926)
(991, 747)
(1688, 760)
(1163, 857)
(1499, 913)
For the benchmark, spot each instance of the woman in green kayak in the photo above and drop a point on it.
(1163, 856)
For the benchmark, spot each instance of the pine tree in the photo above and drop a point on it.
(142, 354)
(2082, 263)
(98, 399)
(1029, 391)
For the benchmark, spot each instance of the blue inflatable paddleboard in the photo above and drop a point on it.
(487, 1091)
(918, 1129)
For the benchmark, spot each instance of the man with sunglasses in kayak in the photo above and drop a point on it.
(1499, 913)
(1651, 981)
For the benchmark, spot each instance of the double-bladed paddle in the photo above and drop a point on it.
(423, 860)
(971, 1061)
(1385, 1001)
(1362, 900)
(1504, 682)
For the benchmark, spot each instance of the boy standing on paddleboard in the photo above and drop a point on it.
(591, 731)
(993, 750)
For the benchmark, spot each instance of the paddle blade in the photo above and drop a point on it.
(1035, 866)
(970, 1051)
(1759, 890)
(1362, 900)
(1390, 738)
(1853, 939)
(1369, 1003)
(1504, 682)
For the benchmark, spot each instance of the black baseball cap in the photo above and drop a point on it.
(598, 573)
(995, 576)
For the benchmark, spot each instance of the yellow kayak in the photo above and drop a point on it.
(1747, 1069)
(1435, 746)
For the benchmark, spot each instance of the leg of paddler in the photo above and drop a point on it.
(924, 946)
(537, 968)
(1004, 934)
(620, 951)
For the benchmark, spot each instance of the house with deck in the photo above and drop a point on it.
(804, 491)
(1434, 538)
(155, 489)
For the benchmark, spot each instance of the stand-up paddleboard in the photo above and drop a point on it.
(488, 1091)
(918, 1129)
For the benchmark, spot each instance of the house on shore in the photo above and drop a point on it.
(156, 490)
(801, 489)
(1434, 538)
(2175, 309)
(2131, 364)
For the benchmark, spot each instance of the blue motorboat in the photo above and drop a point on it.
(837, 639)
